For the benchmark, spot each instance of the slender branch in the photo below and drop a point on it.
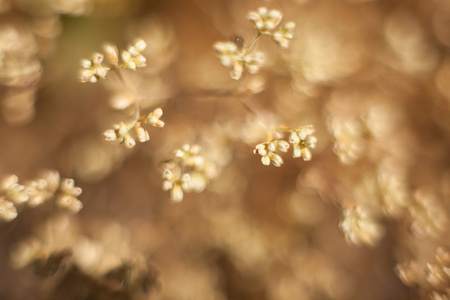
(252, 44)
(137, 110)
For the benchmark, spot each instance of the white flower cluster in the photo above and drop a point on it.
(266, 21)
(301, 140)
(121, 132)
(189, 171)
(267, 152)
(36, 192)
(231, 55)
(239, 57)
(132, 58)
(361, 228)
(93, 70)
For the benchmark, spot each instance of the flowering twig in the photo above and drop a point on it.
(48, 186)
(300, 138)
(240, 57)
(188, 171)
(132, 58)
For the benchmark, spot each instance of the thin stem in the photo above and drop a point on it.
(252, 44)
(137, 110)
(276, 129)
(253, 111)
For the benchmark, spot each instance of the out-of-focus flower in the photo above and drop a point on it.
(73, 7)
(411, 273)
(67, 195)
(284, 34)
(430, 216)
(235, 57)
(43, 188)
(38, 192)
(12, 190)
(189, 155)
(360, 228)
(265, 20)
(112, 55)
(8, 211)
(349, 136)
(176, 183)
(188, 171)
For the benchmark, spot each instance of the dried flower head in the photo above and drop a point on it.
(360, 228)
(176, 183)
(153, 118)
(189, 155)
(284, 34)
(93, 69)
(38, 192)
(265, 20)
(188, 171)
(8, 211)
(120, 133)
(112, 55)
(302, 141)
(141, 133)
(267, 152)
(12, 190)
(66, 197)
(237, 58)
(132, 58)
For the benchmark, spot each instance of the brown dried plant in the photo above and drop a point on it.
(358, 89)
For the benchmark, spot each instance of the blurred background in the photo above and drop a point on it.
(366, 218)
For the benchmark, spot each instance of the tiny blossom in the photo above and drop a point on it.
(199, 172)
(267, 152)
(197, 182)
(190, 155)
(67, 196)
(120, 132)
(7, 211)
(253, 62)
(38, 191)
(12, 190)
(359, 227)
(112, 55)
(153, 118)
(228, 52)
(141, 133)
(176, 184)
(233, 56)
(284, 34)
(301, 140)
(93, 69)
(437, 276)
(132, 58)
(410, 272)
(265, 20)
(443, 256)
